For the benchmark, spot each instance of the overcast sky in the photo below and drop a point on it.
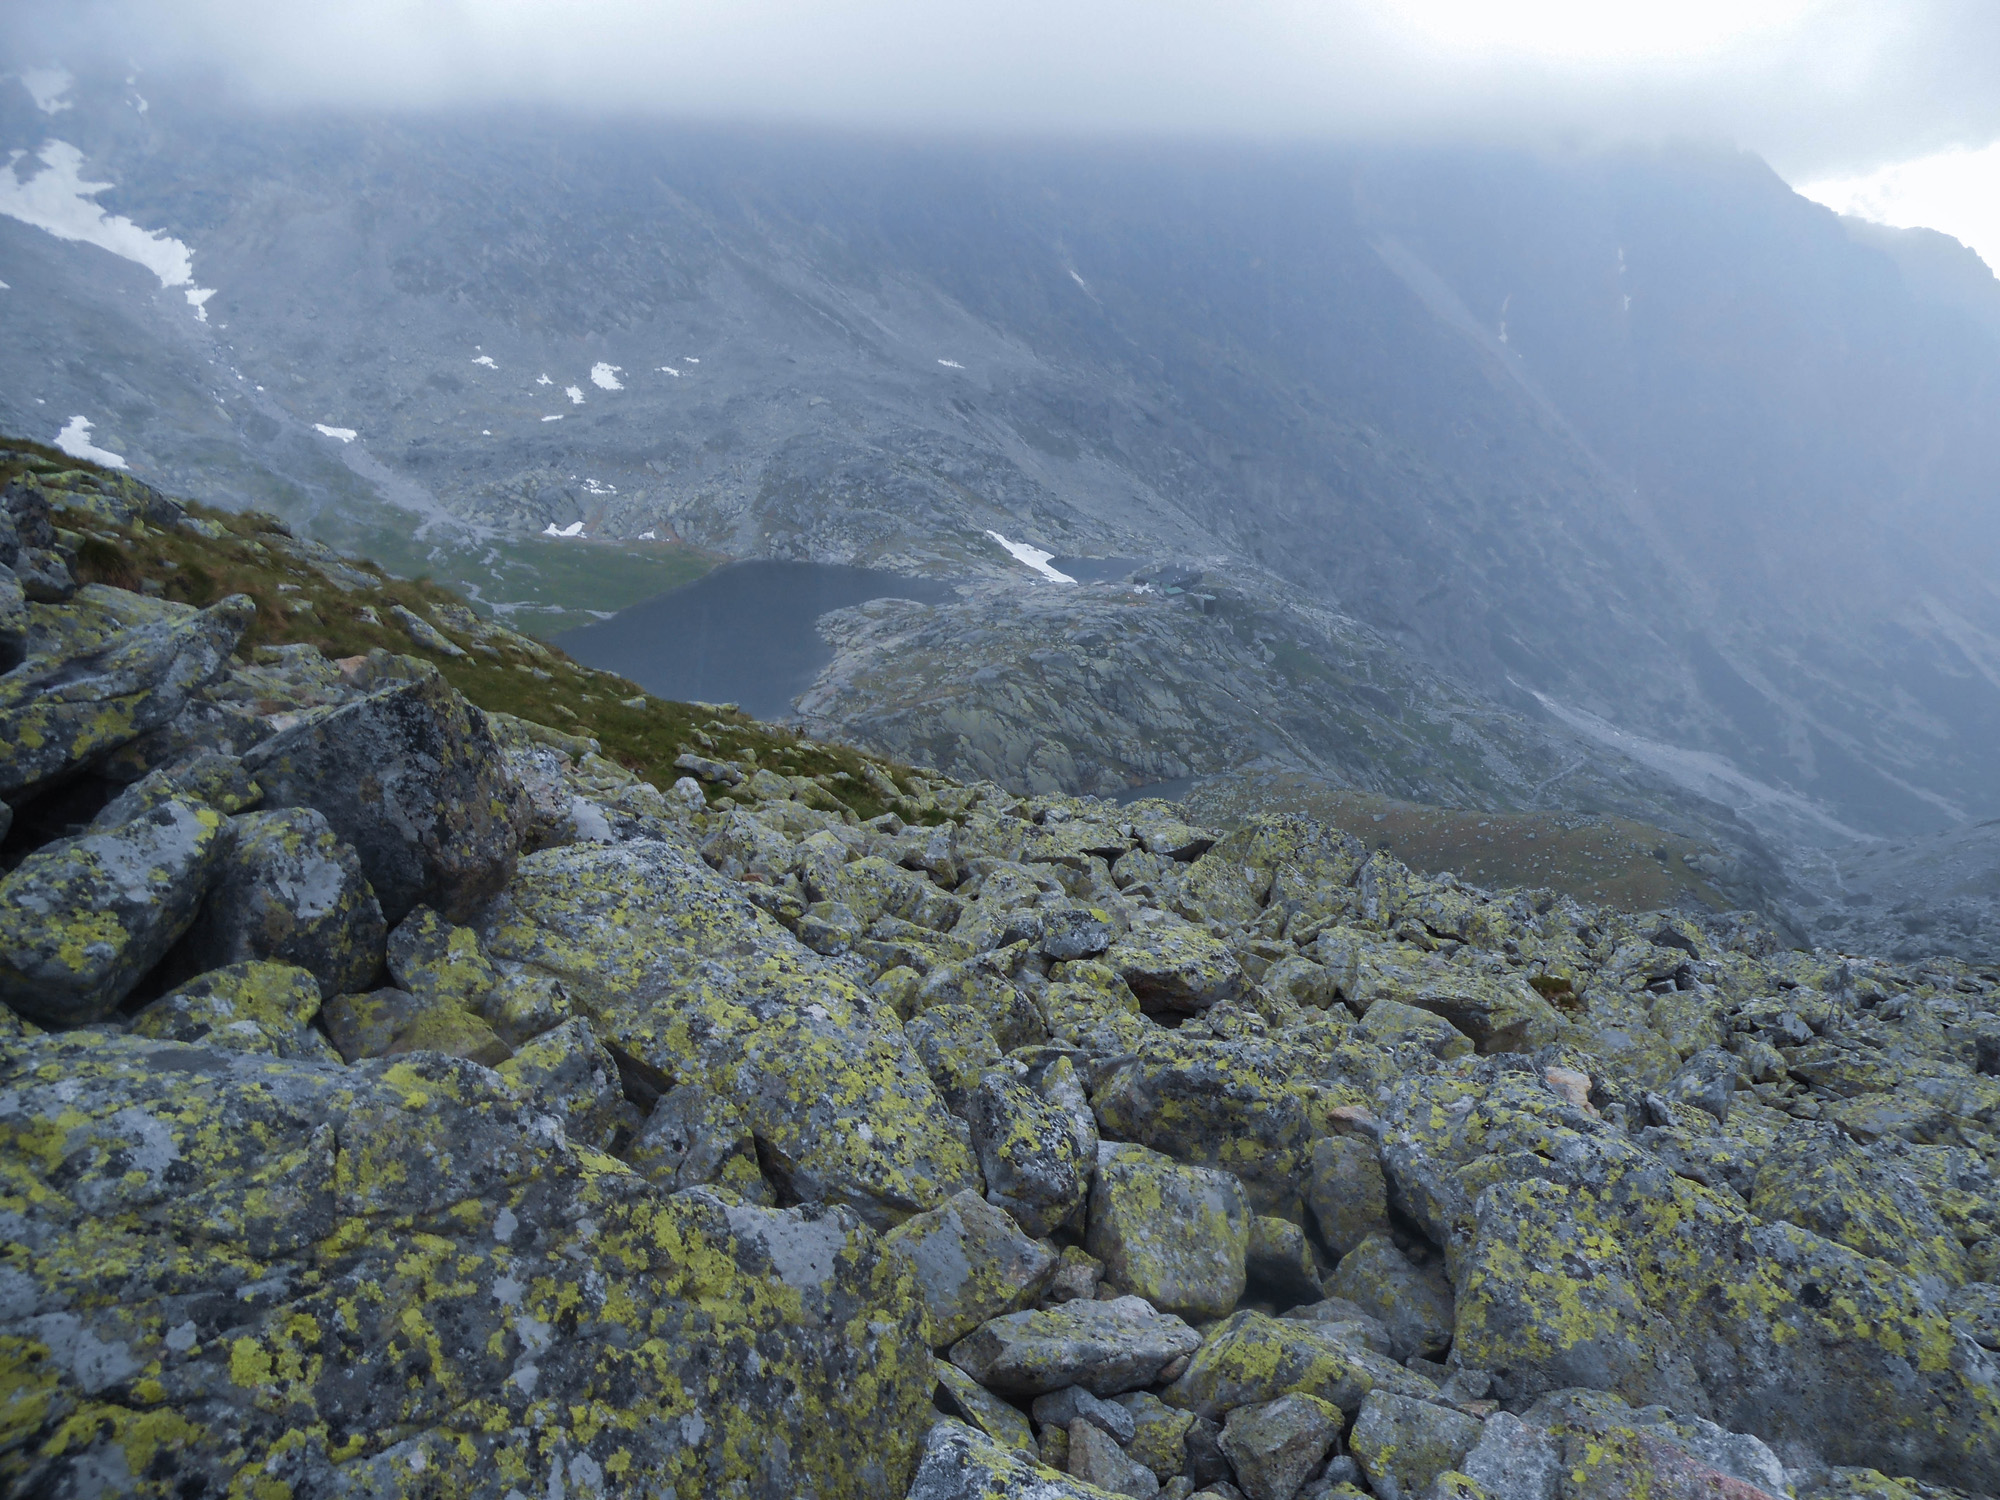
(1829, 91)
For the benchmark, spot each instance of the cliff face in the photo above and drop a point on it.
(400, 1095)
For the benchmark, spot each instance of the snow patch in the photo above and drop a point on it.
(575, 394)
(689, 359)
(556, 418)
(575, 528)
(46, 86)
(486, 360)
(669, 369)
(600, 489)
(543, 380)
(345, 434)
(58, 200)
(951, 364)
(1033, 557)
(74, 440)
(649, 536)
(605, 377)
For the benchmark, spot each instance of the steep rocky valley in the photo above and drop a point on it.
(1364, 862)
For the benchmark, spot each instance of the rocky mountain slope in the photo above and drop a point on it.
(400, 1095)
(1640, 439)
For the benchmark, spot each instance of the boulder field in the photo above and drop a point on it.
(400, 1097)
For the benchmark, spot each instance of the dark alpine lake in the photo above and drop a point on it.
(743, 634)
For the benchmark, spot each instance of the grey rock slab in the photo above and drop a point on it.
(413, 779)
(972, 1263)
(1402, 1444)
(1274, 1445)
(960, 1462)
(1416, 1308)
(1177, 1235)
(83, 919)
(1106, 1347)
(290, 891)
(59, 712)
(1096, 1458)
(1036, 1162)
(1515, 1460)
(1075, 1404)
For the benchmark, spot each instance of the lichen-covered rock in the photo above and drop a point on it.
(218, 780)
(1177, 1236)
(1349, 1197)
(391, 1022)
(524, 1003)
(246, 1007)
(1391, 1021)
(427, 1293)
(1036, 1161)
(1416, 1308)
(435, 960)
(677, 970)
(1249, 1357)
(1581, 1260)
(289, 891)
(1097, 1460)
(1355, 1324)
(411, 777)
(1238, 1105)
(961, 1463)
(1515, 1460)
(1159, 1432)
(1609, 1449)
(1403, 1444)
(1819, 1179)
(1105, 1347)
(999, 1420)
(985, 984)
(1073, 1404)
(957, 1049)
(1274, 1445)
(695, 1137)
(1072, 932)
(971, 1263)
(1174, 966)
(568, 1072)
(61, 711)
(83, 919)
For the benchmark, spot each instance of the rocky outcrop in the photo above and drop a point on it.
(412, 780)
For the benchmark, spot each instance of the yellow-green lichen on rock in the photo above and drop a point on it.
(302, 1279)
(673, 967)
(83, 919)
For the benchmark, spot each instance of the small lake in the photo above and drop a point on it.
(742, 634)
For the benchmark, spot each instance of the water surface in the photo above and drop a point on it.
(743, 634)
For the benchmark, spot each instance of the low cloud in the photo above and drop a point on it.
(1820, 87)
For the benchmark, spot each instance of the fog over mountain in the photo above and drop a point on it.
(1683, 478)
